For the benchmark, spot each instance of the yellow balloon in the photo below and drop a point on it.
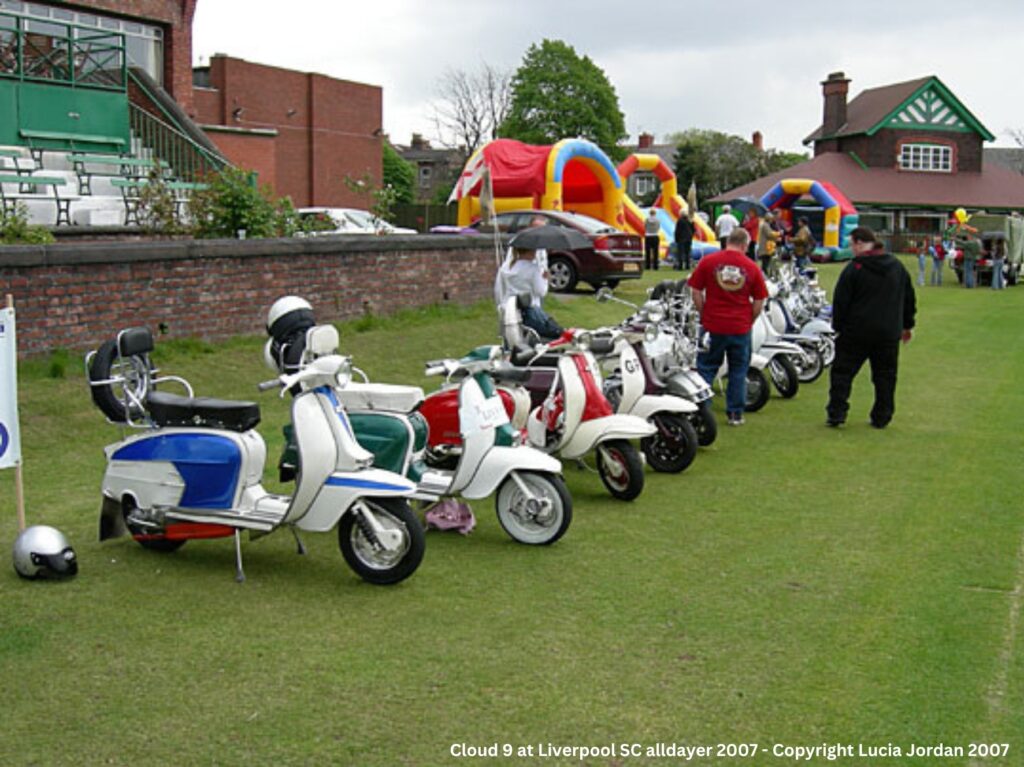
(961, 215)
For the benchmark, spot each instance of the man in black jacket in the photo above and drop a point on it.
(873, 309)
(684, 240)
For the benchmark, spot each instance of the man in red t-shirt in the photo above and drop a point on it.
(729, 292)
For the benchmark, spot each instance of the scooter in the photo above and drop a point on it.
(663, 373)
(194, 468)
(456, 441)
(784, 358)
(566, 412)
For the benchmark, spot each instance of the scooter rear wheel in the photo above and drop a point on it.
(367, 558)
(145, 536)
(621, 469)
(673, 447)
(705, 424)
(525, 524)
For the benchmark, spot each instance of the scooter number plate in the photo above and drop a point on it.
(491, 413)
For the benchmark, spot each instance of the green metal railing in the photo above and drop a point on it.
(48, 51)
(186, 159)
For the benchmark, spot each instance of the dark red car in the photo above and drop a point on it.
(612, 256)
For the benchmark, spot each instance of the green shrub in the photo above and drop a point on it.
(16, 230)
(233, 202)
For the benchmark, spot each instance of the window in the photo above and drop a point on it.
(934, 158)
(425, 173)
(644, 185)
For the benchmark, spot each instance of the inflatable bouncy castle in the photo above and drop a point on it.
(841, 217)
(572, 175)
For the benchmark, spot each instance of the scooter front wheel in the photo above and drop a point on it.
(811, 365)
(367, 556)
(539, 520)
(621, 469)
(757, 390)
(784, 376)
(673, 447)
(705, 424)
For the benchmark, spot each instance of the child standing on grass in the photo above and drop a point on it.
(922, 262)
(938, 253)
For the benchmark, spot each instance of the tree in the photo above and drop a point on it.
(717, 161)
(556, 94)
(472, 105)
(399, 174)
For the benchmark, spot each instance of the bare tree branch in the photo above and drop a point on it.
(471, 106)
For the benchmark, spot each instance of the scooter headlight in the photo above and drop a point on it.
(344, 375)
(654, 310)
(651, 334)
(583, 341)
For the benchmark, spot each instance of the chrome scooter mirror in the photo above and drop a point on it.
(603, 294)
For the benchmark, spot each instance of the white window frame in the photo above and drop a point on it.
(644, 184)
(928, 158)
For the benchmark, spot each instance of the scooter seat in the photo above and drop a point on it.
(175, 410)
(525, 356)
(373, 396)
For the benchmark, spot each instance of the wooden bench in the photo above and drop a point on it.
(37, 142)
(23, 165)
(53, 182)
(127, 167)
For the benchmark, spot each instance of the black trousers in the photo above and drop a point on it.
(684, 252)
(851, 353)
(652, 246)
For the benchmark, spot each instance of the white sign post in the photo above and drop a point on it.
(10, 434)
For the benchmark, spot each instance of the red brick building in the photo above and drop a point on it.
(303, 132)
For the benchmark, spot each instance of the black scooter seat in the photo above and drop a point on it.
(524, 356)
(175, 410)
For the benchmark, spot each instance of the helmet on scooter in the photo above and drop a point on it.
(287, 322)
(44, 552)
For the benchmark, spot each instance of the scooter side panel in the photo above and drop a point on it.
(617, 426)
(649, 404)
(341, 489)
(500, 461)
(315, 442)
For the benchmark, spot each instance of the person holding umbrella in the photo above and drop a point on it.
(521, 275)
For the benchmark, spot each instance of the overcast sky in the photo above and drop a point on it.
(736, 67)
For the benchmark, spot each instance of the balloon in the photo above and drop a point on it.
(961, 216)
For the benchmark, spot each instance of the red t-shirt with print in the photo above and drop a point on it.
(730, 282)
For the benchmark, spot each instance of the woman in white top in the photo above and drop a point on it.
(521, 275)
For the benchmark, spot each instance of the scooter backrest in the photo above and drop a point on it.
(134, 341)
(322, 340)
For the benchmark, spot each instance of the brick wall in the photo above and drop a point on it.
(75, 296)
(327, 128)
(252, 150)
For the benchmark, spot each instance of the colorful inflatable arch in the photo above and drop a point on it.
(669, 199)
(573, 174)
(841, 217)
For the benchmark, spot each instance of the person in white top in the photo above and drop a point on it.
(519, 275)
(725, 223)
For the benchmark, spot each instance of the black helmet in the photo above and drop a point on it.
(44, 552)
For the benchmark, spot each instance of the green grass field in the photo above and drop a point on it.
(796, 586)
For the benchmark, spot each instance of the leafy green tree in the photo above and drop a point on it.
(399, 174)
(557, 94)
(718, 162)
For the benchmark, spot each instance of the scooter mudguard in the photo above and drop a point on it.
(769, 350)
(649, 404)
(343, 488)
(689, 384)
(817, 327)
(619, 426)
(500, 462)
(758, 361)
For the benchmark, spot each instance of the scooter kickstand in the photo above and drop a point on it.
(239, 573)
(302, 549)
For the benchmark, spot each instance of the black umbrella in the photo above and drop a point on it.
(747, 202)
(549, 237)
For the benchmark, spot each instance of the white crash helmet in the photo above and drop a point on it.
(286, 308)
(287, 322)
(44, 552)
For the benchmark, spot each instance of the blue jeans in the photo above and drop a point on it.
(998, 283)
(968, 272)
(536, 318)
(936, 271)
(735, 348)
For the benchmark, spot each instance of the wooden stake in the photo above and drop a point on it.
(19, 484)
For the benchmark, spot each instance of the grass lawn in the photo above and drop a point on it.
(796, 586)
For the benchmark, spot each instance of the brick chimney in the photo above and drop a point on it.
(834, 91)
(646, 140)
(758, 141)
(418, 142)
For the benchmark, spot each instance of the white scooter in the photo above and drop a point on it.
(785, 359)
(566, 412)
(194, 469)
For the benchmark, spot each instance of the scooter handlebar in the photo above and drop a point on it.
(268, 385)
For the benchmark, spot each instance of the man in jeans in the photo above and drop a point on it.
(729, 292)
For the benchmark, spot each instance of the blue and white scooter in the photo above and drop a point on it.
(194, 468)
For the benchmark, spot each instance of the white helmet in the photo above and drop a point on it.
(44, 552)
(287, 322)
(283, 307)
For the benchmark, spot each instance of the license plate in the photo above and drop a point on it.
(631, 267)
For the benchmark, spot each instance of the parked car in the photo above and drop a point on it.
(611, 257)
(348, 221)
(991, 242)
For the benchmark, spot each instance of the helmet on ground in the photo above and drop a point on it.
(44, 552)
